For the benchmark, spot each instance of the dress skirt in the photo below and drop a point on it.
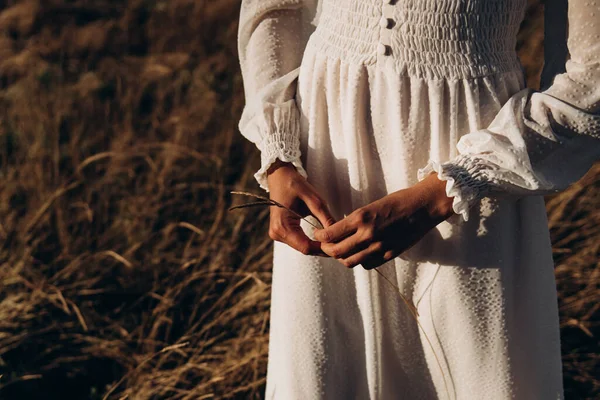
(484, 288)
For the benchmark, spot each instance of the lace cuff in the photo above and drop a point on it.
(280, 139)
(466, 181)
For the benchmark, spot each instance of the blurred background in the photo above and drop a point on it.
(122, 274)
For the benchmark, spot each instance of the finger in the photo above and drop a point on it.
(319, 209)
(378, 259)
(346, 247)
(374, 250)
(335, 232)
(285, 227)
(295, 237)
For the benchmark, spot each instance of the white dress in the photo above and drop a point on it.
(366, 97)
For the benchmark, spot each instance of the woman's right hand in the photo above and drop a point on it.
(291, 189)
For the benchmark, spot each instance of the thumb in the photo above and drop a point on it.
(319, 209)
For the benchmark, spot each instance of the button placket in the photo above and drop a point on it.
(386, 23)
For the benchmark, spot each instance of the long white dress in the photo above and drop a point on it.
(366, 97)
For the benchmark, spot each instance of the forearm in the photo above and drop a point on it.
(540, 142)
(272, 37)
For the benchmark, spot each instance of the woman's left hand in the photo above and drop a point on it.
(382, 230)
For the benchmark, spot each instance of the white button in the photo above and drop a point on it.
(383, 49)
(386, 22)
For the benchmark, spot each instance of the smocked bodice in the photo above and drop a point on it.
(434, 39)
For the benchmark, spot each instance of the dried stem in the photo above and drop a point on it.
(415, 313)
(269, 202)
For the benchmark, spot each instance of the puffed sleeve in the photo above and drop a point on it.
(272, 35)
(540, 142)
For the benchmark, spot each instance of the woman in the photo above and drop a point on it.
(406, 129)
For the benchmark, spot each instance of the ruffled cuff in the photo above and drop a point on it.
(280, 139)
(284, 146)
(466, 181)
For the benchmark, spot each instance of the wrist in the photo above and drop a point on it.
(278, 164)
(438, 203)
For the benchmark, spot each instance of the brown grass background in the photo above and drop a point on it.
(122, 275)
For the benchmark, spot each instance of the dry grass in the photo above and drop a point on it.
(122, 275)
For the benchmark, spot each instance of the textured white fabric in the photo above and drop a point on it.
(367, 97)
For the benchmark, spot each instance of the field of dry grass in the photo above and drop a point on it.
(122, 275)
